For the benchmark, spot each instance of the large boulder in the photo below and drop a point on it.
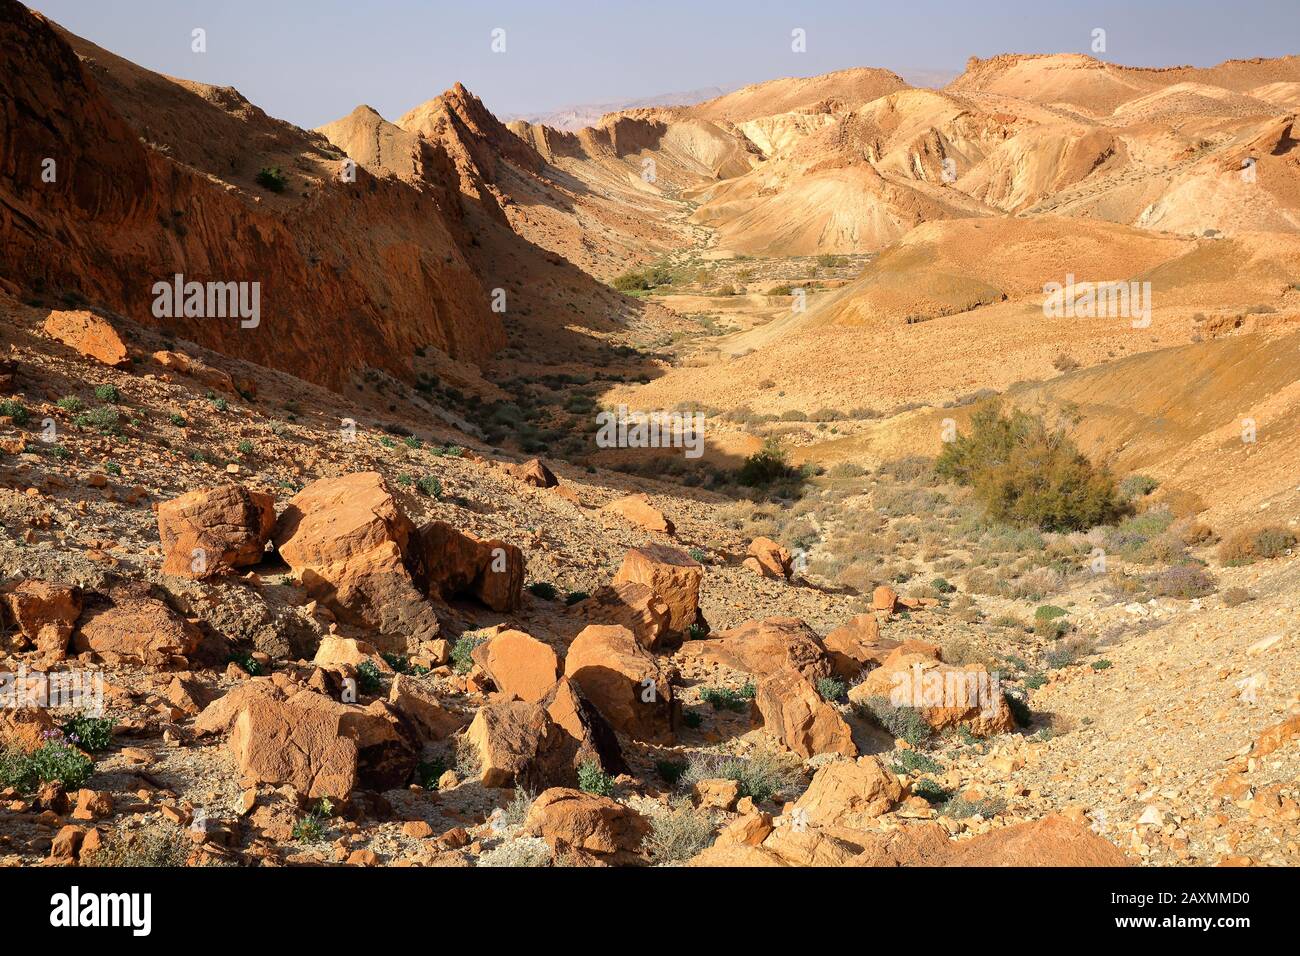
(573, 822)
(532, 472)
(519, 664)
(947, 696)
(211, 531)
(455, 564)
(856, 646)
(338, 653)
(88, 334)
(768, 559)
(1051, 841)
(44, 614)
(638, 510)
(673, 575)
(422, 709)
(795, 713)
(849, 793)
(140, 630)
(629, 604)
(765, 647)
(346, 539)
(542, 744)
(624, 681)
(319, 746)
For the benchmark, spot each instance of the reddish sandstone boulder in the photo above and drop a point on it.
(188, 365)
(140, 630)
(346, 539)
(624, 681)
(673, 575)
(856, 646)
(849, 793)
(631, 605)
(421, 707)
(519, 664)
(455, 563)
(532, 472)
(768, 559)
(44, 614)
(88, 334)
(336, 653)
(638, 510)
(795, 713)
(1051, 841)
(572, 821)
(884, 598)
(211, 531)
(24, 728)
(946, 696)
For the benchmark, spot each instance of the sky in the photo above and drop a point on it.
(313, 61)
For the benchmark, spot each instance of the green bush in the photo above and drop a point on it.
(461, 661)
(89, 733)
(430, 486)
(831, 689)
(1138, 486)
(767, 467)
(270, 177)
(670, 771)
(544, 590)
(592, 779)
(914, 762)
(14, 409)
(904, 723)
(56, 760)
(1024, 472)
(105, 419)
(70, 403)
(723, 698)
(368, 677)
(107, 393)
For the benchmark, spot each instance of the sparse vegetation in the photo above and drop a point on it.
(592, 779)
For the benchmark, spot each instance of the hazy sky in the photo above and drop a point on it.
(312, 61)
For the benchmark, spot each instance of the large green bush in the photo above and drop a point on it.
(1029, 473)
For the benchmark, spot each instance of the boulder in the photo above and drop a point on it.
(508, 735)
(765, 647)
(638, 510)
(519, 664)
(795, 713)
(421, 707)
(587, 737)
(188, 365)
(849, 793)
(88, 334)
(731, 854)
(532, 472)
(815, 846)
(44, 614)
(624, 681)
(768, 559)
(571, 821)
(455, 564)
(674, 577)
(1051, 841)
(336, 653)
(947, 696)
(856, 646)
(346, 539)
(884, 598)
(214, 530)
(631, 605)
(24, 728)
(140, 630)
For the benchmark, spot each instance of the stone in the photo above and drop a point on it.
(570, 820)
(719, 794)
(212, 531)
(795, 713)
(849, 793)
(457, 564)
(420, 705)
(632, 605)
(532, 472)
(336, 653)
(346, 540)
(856, 646)
(672, 575)
(44, 614)
(88, 334)
(519, 664)
(770, 559)
(637, 510)
(624, 681)
(141, 630)
(884, 598)
(1051, 841)
(946, 696)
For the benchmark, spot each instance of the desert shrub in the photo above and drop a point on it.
(56, 760)
(768, 466)
(1232, 597)
(1132, 538)
(761, 775)
(1064, 363)
(914, 762)
(678, 832)
(544, 590)
(931, 791)
(904, 723)
(428, 772)
(524, 851)
(461, 661)
(430, 486)
(592, 779)
(942, 586)
(1138, 486)
(960, 808)
(14, 409)
(368, 678)
(632, 282)
(311, 828)
(89, 733)
(107, 393)
(1049, 612)
(830, 688)
(724, 698)
(270, 177)
(158, 845)
(69, 403)
(670, 771)
(105, 419)
(1184, 581)
(1027, 473)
